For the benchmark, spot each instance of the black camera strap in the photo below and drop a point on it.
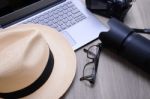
(143, 31)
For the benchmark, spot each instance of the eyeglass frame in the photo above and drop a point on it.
(92, 77)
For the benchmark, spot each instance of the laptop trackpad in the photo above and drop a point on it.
(69, 38)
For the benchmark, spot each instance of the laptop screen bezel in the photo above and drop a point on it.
(25, 11)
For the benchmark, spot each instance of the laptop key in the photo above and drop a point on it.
(59, 18)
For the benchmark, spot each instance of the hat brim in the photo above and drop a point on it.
(64, 63)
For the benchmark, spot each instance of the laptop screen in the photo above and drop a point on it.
(12, 10)
(8, 6)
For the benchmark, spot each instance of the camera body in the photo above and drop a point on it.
(110, 8)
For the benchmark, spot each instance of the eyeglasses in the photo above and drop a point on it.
(90, 68)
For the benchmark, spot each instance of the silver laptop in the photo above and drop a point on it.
(70, 17)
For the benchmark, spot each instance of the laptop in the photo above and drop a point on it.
(69, 17)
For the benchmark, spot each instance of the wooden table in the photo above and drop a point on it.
(116, 79)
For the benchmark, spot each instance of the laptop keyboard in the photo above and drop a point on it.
(60, 18)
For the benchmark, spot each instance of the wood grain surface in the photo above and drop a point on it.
(116, 78)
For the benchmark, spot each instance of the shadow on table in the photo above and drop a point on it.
(139, 71)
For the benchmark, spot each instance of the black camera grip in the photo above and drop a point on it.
(127, 43)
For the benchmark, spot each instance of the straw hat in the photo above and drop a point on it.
(36, 62)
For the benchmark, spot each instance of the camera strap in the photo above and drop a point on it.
(143, 31)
